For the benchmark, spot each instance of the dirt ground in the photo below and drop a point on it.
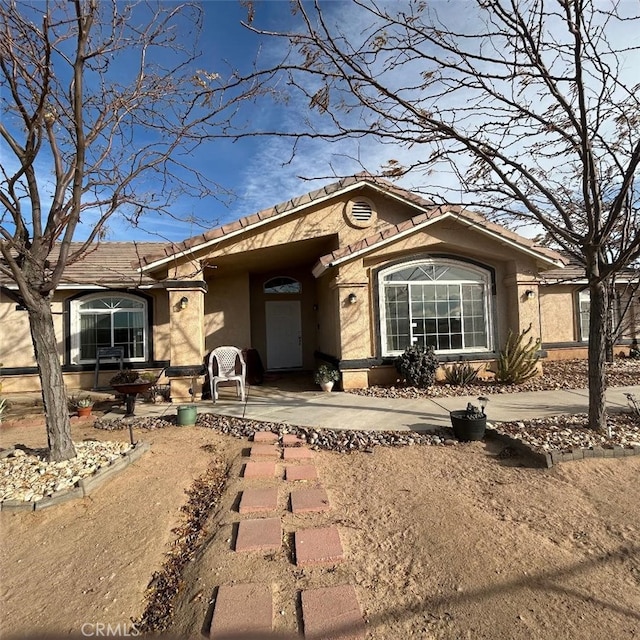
(440, 542)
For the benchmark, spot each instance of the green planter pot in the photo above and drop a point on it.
(466, 429)
(187, 415)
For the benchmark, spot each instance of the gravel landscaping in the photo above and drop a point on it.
(561, 374)
(26, 475)
(557, 433)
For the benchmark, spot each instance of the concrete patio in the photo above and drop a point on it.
(339, 410)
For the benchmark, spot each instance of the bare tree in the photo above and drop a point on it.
(533, 106)
(102, 107)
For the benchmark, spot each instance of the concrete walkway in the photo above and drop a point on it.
(339, 410)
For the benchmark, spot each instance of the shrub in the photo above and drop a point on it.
(460, 373)
(417, 366)
(518, 361)
(326, 373)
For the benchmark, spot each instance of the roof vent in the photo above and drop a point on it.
(360, 212)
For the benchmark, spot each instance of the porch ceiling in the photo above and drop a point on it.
(266, 259)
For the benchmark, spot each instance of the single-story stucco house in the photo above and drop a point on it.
(353, 272)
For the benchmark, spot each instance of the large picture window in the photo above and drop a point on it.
(118, 320)
(440, 303)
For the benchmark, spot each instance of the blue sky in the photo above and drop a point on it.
(261, 172)
(256, 170)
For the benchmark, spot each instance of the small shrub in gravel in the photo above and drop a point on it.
(460, 373)
(417, 366)
(518, 361)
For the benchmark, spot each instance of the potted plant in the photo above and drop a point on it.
(326, 375)
(83, 405)
(130, 383)
(470, 423)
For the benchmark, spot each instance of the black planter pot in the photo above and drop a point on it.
(467, 429)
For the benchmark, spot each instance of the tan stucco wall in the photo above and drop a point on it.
(558, 314)
(327, 316)
(161, 326)
(227, 310)
(16, 349)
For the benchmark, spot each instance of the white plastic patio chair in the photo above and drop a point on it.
(225, 358)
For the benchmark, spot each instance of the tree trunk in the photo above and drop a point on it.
(597, 359)
(609, 340)
(610, 332)
(54, 393)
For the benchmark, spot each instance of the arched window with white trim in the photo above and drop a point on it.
(442, 303)
(109, 320)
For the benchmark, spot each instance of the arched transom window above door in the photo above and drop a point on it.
(282, 284)
(442, 303)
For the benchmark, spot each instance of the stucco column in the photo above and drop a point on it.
(524, 305)
(354, 313)
(186, 308)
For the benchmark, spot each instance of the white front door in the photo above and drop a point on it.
(284, 334)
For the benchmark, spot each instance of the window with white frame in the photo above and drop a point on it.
(112, 320)
(442, 303)
(584, 305)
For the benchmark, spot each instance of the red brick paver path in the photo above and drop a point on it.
(254, 500)
(259, 470)
(332, 612)
(309, 500)
(297, 453)
(246, 610)
(265, 450)
(264, 534)
(265, 436)
(232, 604)
(318, 546)
(301, 472)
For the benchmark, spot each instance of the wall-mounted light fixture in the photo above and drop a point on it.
(352, 298)
(184, 302)
(530, 294)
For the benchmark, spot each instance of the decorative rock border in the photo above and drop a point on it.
(549, 458)
(347, 440)
(82, 488)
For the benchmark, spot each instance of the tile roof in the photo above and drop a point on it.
(429, 212)
(436, 213)
(284, 208)
(574, 272)
(107, 264)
